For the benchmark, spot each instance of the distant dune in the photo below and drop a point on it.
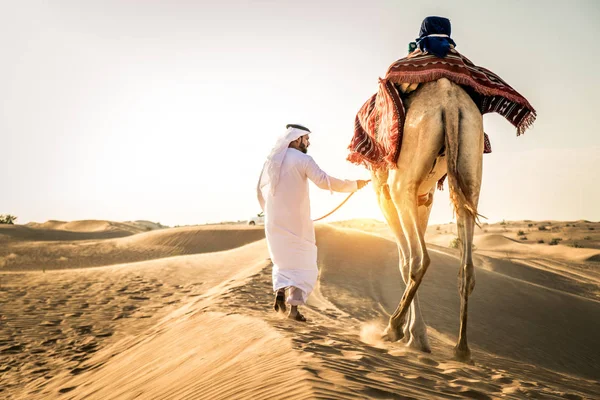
(42, 248)
(185, 313)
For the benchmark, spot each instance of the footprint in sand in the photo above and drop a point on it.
(84, 329)
(571, 396)
(73, 315)
(502, 379)
(78, 370)
(14, 349)
(49, 342)
(139, 298)
(40, 371)
(51, 323)
(474, 394)
(420, 379)
(88, 348)
(428, 361)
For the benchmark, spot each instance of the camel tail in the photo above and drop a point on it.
(451, 118)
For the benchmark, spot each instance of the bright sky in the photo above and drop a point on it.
(166, 110)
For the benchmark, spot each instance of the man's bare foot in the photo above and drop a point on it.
(279, 304)
(295, 314)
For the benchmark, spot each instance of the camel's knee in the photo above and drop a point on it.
(404, 270)
(418, 267)
(466, 279)
(401, 190)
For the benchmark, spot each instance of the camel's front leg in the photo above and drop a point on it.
(388, 210)
(404, 196)
(418, 329)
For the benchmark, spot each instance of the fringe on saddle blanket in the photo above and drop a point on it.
(379, 123)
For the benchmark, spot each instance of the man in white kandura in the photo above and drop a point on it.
(283, 196)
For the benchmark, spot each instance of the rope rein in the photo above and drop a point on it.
(338, 207)
(335, 209)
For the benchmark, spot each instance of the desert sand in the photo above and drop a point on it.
(124, 310)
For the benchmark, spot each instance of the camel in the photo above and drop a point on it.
(443, 133)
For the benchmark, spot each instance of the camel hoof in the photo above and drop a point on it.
(421, 345)
(392, 335)
(463, 355)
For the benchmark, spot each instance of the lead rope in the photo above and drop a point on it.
(337, 208)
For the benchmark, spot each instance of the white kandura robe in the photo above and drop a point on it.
(288, 225)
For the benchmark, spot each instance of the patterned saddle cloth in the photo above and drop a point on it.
(379, 123)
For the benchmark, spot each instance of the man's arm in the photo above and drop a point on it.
(324, 181)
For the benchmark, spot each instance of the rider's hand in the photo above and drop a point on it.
(361, 183)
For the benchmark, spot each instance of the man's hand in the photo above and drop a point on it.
(361, 183)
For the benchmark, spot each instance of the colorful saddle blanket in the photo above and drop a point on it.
(379, 123)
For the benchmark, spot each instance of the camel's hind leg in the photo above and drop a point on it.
(469, 168)
(466, 281)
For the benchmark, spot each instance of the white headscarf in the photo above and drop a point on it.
(272, 168)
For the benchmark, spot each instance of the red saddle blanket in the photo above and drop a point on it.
(379, 123)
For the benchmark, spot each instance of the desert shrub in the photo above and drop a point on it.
(456, 244)
(591, 228)
(555, 241)
(576, 245)
(7, 219)
(530, 225)
(437, 229)
(541, 241)
(520, 233)
(503, 222)
(523, 238)
(542, 228)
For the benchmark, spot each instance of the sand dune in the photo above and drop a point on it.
(130, 227)
(502, 243)
(201, 325)
(498, 303)
(74, 230)
(76, 250)
(59, 319)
